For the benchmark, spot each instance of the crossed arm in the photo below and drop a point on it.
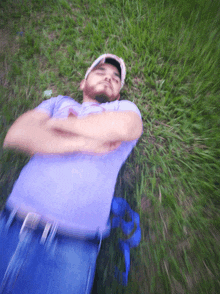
(35, 132)
(109, 126)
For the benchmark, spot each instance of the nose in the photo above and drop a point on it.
(108, 77)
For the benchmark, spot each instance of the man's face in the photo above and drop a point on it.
(102, 84)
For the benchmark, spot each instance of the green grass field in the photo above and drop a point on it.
(172, 52)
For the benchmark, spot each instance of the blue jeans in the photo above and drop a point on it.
(30, 264)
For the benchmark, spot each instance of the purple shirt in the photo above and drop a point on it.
(74, 189)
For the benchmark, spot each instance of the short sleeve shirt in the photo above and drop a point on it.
(75, 189)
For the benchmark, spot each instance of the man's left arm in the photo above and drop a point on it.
(109, 126)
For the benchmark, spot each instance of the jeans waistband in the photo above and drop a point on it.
(37, 223)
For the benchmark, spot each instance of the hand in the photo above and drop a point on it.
(54, 126)
(53, 123)
(92, 146)
(63, 124)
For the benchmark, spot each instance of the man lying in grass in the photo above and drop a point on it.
(57, 213)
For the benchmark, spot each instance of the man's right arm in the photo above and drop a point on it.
(30, 134)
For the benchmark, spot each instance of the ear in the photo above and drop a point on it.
(82, 84)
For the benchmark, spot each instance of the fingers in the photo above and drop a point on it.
(108, 147)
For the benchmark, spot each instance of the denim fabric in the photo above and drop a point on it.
(59, 265)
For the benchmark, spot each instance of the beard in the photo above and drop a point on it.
(102, 98)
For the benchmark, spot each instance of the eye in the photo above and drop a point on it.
(101, 69)
(99, 72)
(116, 80)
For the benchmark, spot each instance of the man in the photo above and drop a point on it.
(58, 211)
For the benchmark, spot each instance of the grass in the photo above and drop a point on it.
(171, 49)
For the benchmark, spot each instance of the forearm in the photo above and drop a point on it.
(31, 134)
(38, 139)
(108, 126)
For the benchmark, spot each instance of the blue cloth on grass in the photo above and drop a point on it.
(119, 208)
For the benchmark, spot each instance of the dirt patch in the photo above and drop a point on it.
(3, 40)
(8, 42)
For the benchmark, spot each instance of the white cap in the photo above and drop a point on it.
(102, 59)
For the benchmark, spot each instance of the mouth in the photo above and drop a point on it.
(107, 84)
